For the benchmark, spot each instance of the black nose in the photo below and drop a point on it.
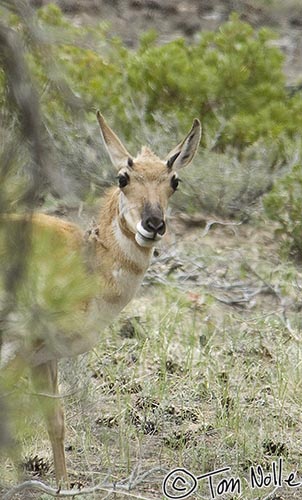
(155, 225)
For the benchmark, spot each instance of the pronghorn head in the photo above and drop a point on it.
(146, 182)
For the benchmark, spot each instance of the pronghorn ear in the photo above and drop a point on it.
(184, 153)
(117, 152)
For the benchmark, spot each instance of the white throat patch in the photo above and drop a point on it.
(125, 211)
(131, 251)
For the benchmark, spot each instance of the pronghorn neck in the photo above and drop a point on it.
(111, 222)
(121, 261)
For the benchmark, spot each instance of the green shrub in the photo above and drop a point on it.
(232, 79)
(284, 205)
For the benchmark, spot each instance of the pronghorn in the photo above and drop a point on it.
(130, 223)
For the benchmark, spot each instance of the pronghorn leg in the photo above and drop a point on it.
(45, 379)
(10, 373)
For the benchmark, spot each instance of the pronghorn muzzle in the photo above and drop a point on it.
(151, 227)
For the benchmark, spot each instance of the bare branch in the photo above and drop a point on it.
(108, 488)
(210, 223)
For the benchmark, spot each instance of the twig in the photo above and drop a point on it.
(210, 223)
(270, 287)
(242, 300)
(58, 396)
(104, 487)
(285, 320)
(134, 474)
(283, 314)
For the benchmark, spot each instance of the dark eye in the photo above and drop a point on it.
(174, 182)
(123, 180)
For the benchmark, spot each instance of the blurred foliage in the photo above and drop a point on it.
(284, 205)
(46, 277)
(51, 299)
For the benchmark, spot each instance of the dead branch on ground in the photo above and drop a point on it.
(123, 487)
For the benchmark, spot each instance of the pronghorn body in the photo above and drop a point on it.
(131, 221)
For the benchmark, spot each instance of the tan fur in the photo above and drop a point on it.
(115, 257)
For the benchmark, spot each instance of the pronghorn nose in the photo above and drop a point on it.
(155, 225)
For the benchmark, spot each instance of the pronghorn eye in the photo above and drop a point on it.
(123, 180)
(174, 182)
